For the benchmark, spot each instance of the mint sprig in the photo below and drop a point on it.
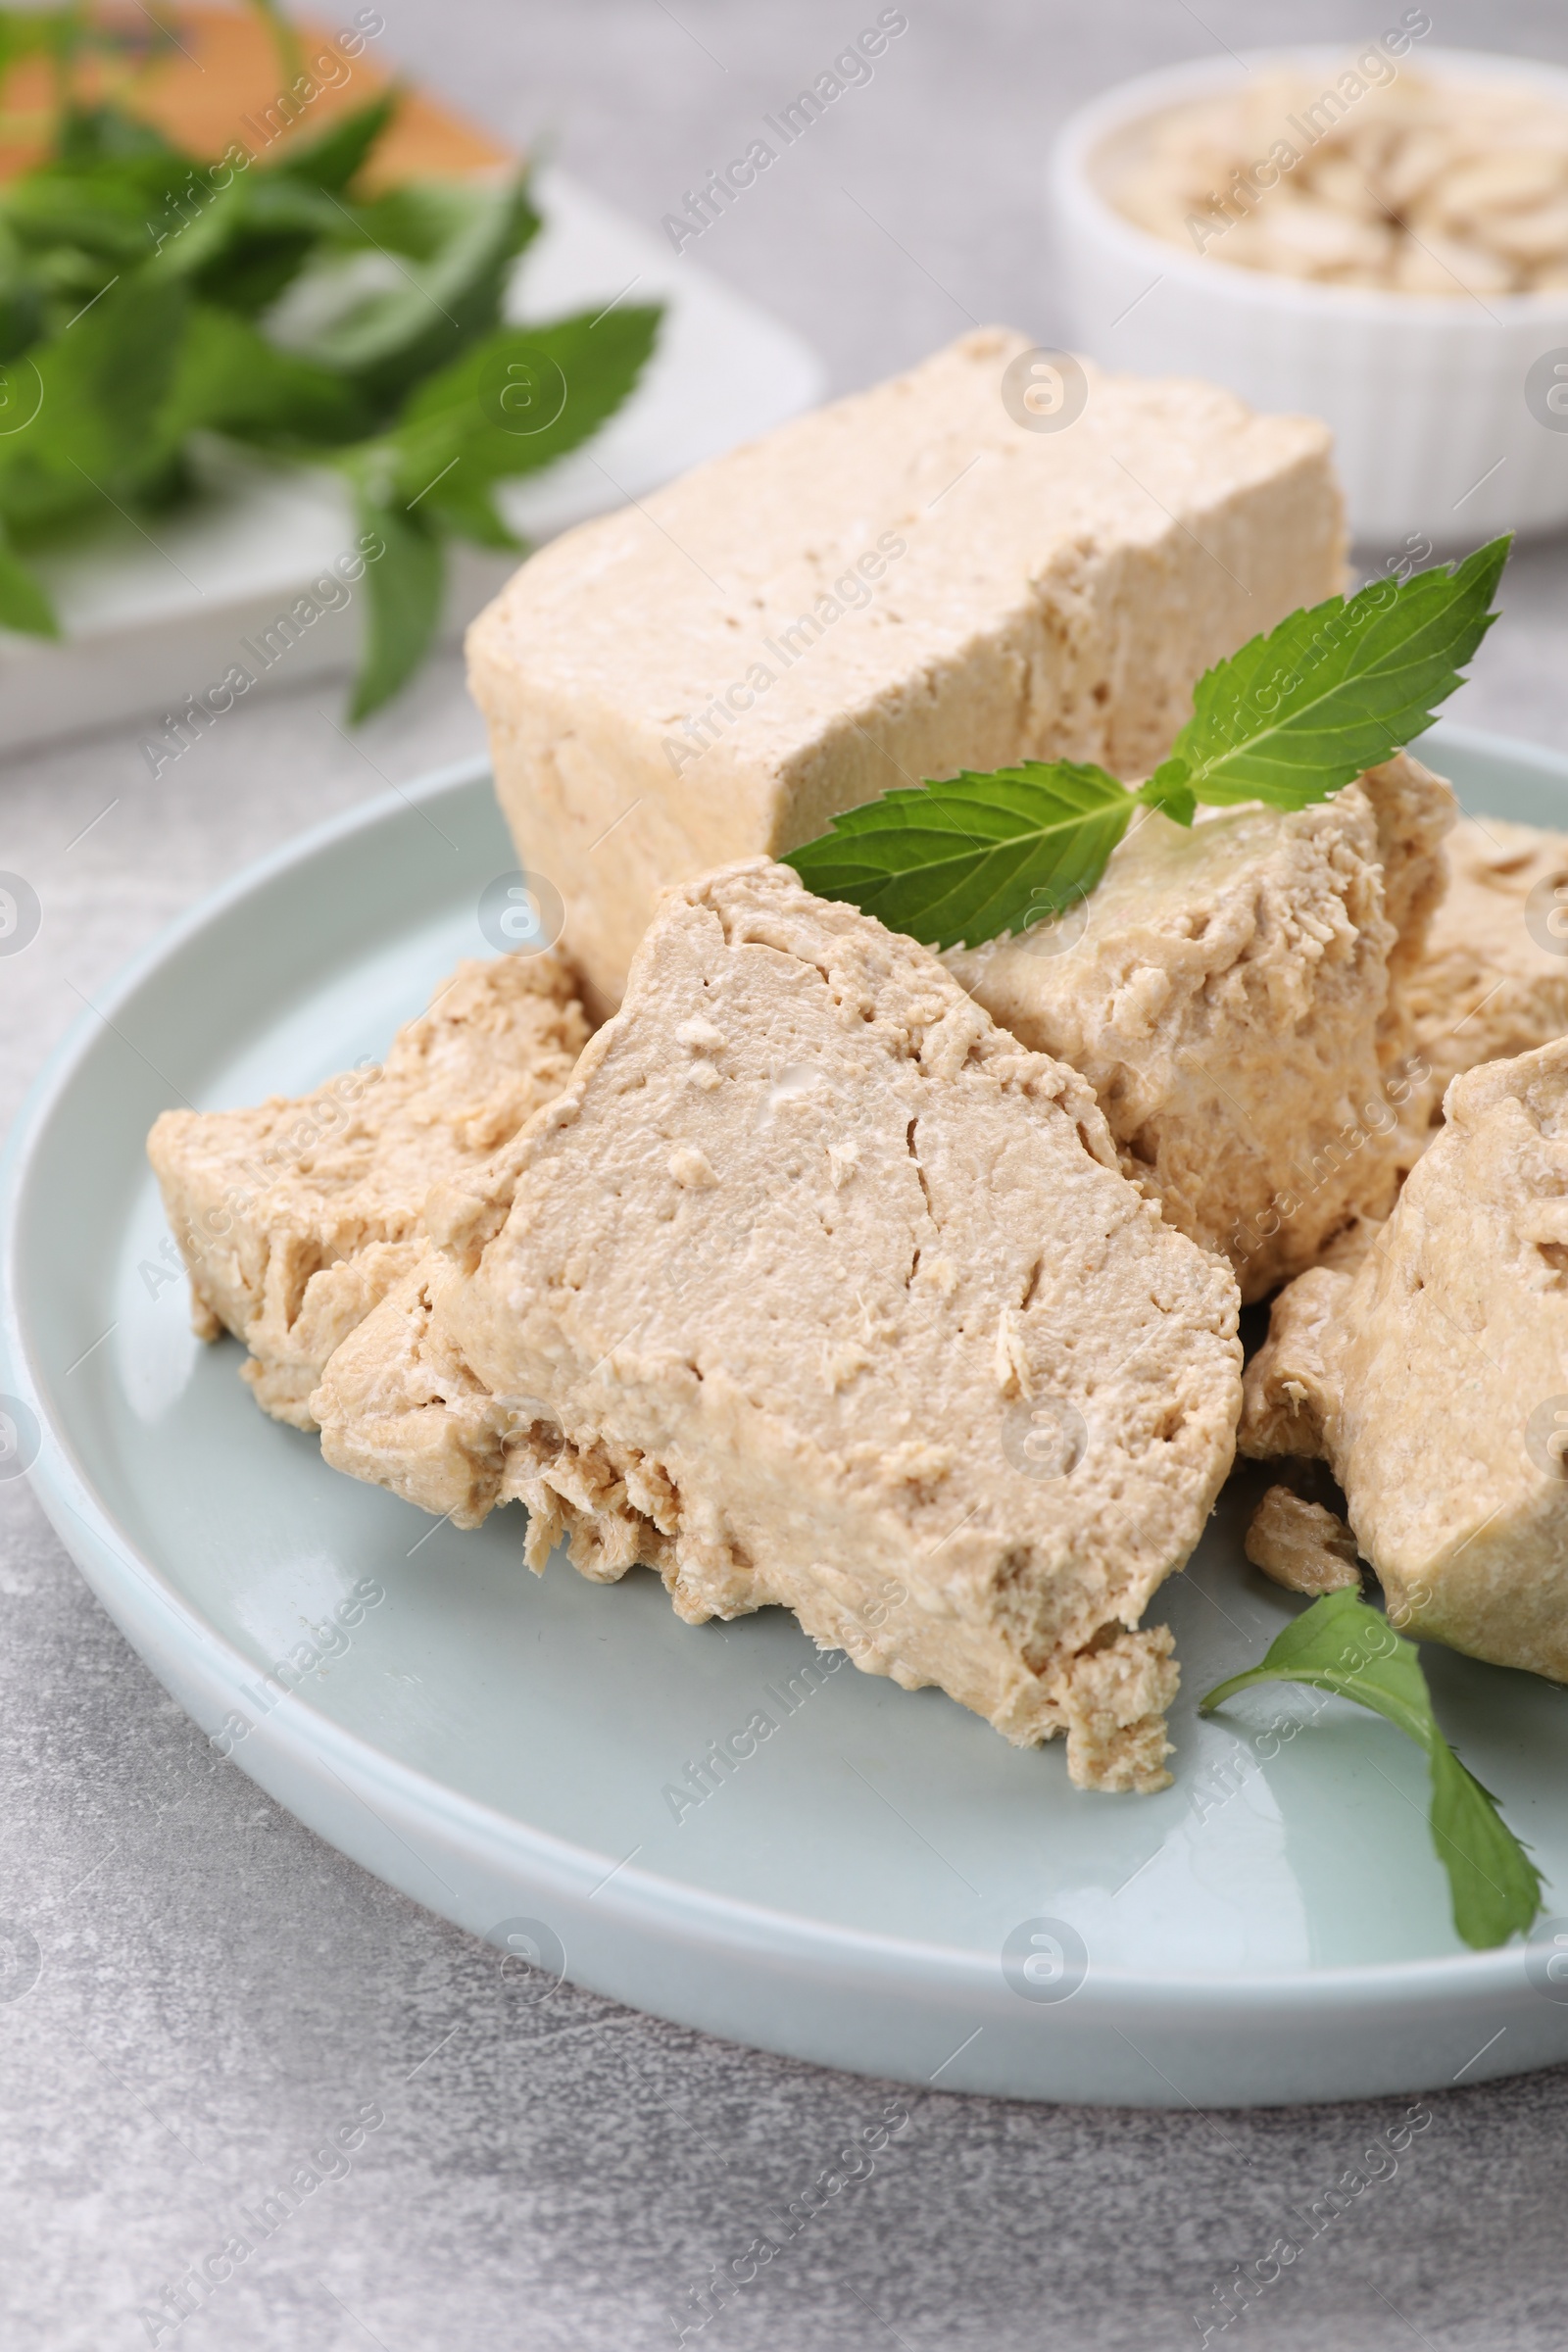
(967, 858)
(1298, 713)
(1340, 1644)
(150, 300)
(1336, 688)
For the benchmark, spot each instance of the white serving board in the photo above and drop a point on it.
(147, 623)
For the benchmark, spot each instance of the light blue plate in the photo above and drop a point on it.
(882, 1883)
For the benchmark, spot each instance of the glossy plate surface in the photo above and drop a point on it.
(867, 1888)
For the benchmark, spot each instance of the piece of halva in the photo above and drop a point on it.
(296, 1216)
(1492, 980)
(1301, 1545)
(811, 1284)
(1234, 992)
(1435, 1379)
(911, 581)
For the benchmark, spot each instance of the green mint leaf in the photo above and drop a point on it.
(232, 380)
(416, 218)
(24, 32)
(516, 402)
(1292, 717)
(21, 307)
(1336, 689)
(101, 384)
(23, 603)
(390, 339)
(967, 858)
(1495, 1884)
(1343, 1645)
(251, 242)
(402, 593)
(466, 507)
(147, 305)
(1169, 791)
(285, 40)
(246, 244)
(330, 161)
(108, 207)
(92, 134)
(204, 235)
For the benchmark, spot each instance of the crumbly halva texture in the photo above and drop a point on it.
(296, 1217)
(1490, 982)
(908, 582)
(815, 1282)
(1435, 1379)
(1235, 994)
(1301, 1545)
(1493, 981)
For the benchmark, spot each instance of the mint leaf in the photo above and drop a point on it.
(91, 135)
(231, 379)
(332, 159)
(22, 303)
(107, 206)
(433, 472)
(1334, 690)
(1168, 790)
(517, 401)
(285, 40)
(1343, 1645)
(32, 32)
(103, 382)
(1495, 1886)
(23, 603)
(389, 340)
(466, 507)
(976, 855)
(404, 588)
(1289, 720)
(251, 240)
(146, 302)
(416, 218)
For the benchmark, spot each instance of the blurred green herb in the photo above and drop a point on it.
(1340, 1645)
(150, 299)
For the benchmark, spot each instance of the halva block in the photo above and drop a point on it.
(295, 1217)
(814, 1283)
(911, 581)
(1236, 994)
(1435, 1379)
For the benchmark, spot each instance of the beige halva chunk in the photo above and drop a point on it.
(909, 582)
(1301, 1545)
(1435, 1379)
(1234, 992)
(296, 1217)
(1490, 982)
(811, 1284)
(1493, 981)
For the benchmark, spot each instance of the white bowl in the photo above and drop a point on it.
(1425, 395)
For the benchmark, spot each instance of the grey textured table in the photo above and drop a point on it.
(217, 1991)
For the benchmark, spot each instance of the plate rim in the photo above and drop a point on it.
(63, 1482)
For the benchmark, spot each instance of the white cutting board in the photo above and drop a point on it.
(154, 611)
